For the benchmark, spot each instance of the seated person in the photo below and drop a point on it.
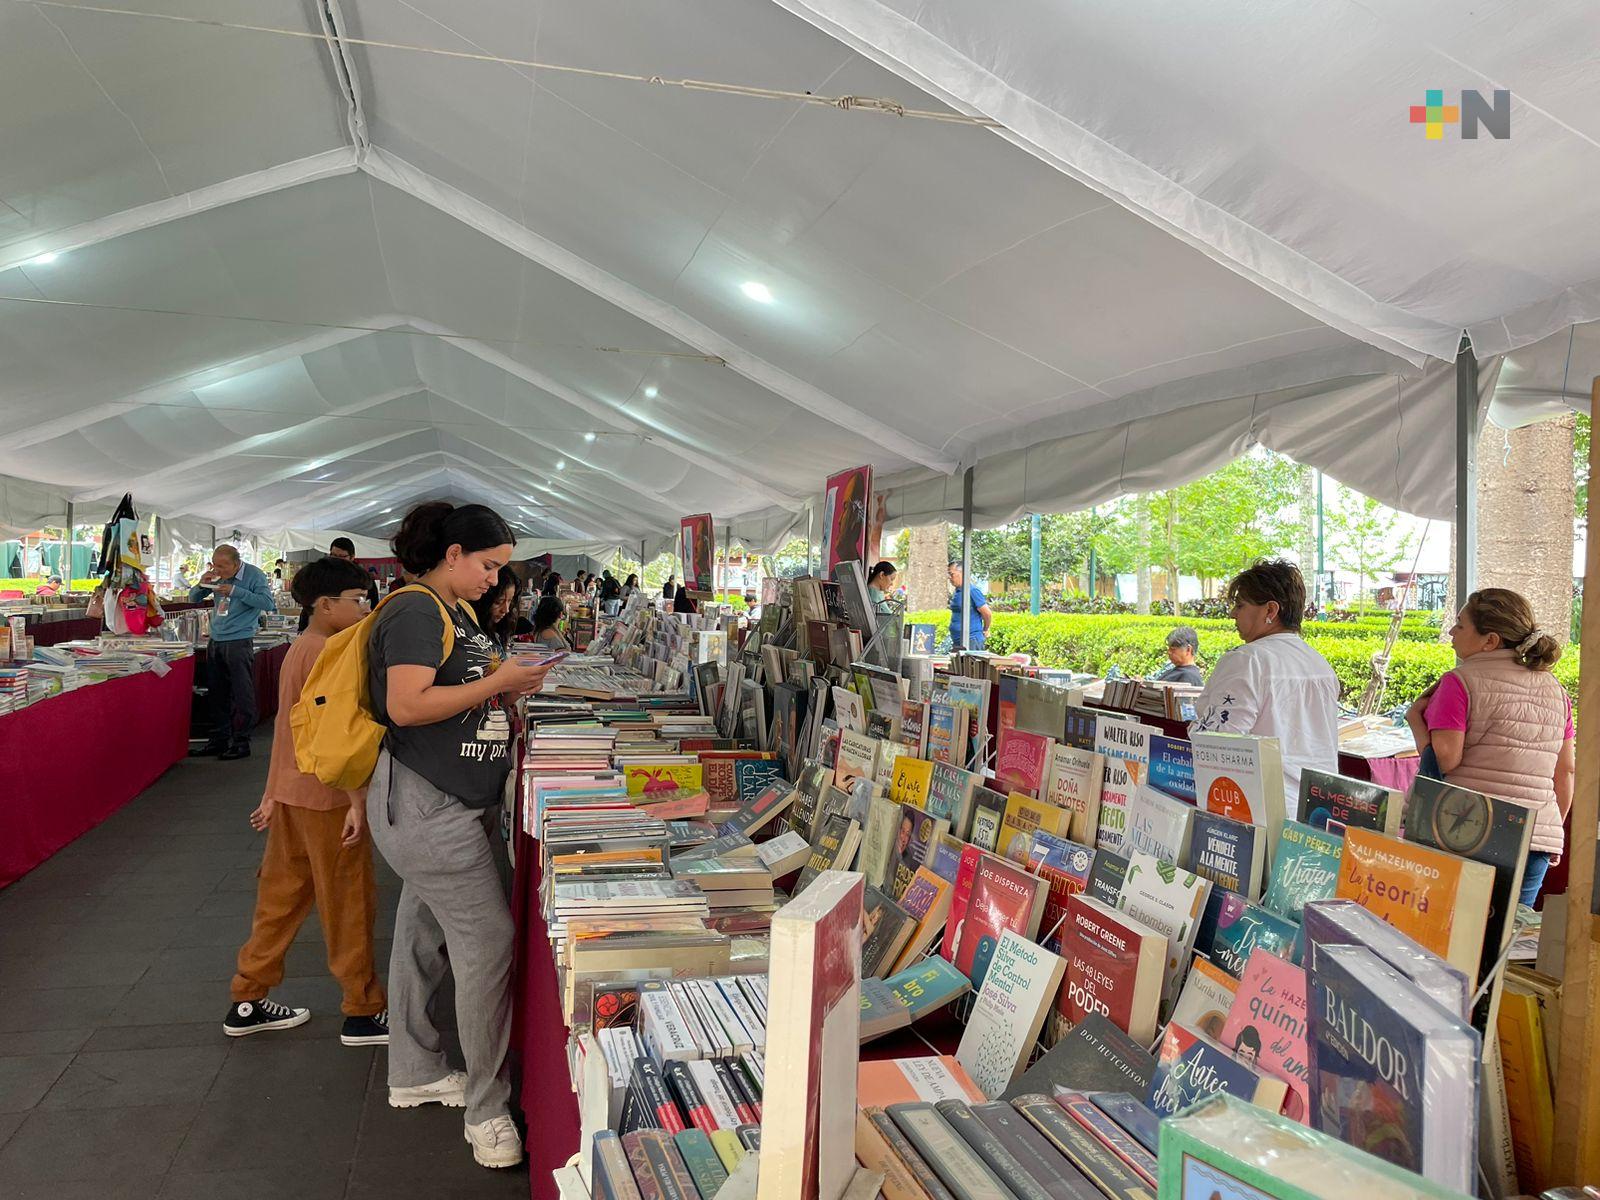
(1183, 644)
(545, 618)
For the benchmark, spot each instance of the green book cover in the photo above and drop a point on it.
(1226, 1148)
(705, 1167)
(1305, 868)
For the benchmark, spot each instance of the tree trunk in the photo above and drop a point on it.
(927, 583)
(1142, 571)
(1525, 517)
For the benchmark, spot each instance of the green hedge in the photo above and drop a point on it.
(1138, 646)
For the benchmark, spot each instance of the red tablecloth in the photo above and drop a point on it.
(69, 762)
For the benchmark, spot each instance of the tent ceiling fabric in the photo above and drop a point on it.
(274, 284)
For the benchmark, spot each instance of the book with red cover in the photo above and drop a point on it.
(961, 892)
(1004, 896)
(688, 1095)
(1021, 760)
(1115, 966)
(655, 1098)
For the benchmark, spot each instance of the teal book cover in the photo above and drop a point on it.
(1305, 868)
(930, 984)
(1232, 927)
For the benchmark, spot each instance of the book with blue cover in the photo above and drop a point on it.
(1347, 923)
(1229, 853)
(1172, 768)
(1391, 1072)
(1232, 927)
(1305, 867)
(1190, 1067)
(1133, 1114)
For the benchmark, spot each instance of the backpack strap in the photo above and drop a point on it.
(449, 643)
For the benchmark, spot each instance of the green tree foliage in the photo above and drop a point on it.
(1004, 555)
(1580, 467)
(1364, 539)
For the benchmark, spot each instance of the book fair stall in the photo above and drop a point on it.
(805, 912)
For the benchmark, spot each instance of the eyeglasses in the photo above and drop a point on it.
(363, 601)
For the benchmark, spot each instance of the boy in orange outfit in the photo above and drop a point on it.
(317, 845)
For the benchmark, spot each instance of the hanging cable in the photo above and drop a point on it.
(843, 103)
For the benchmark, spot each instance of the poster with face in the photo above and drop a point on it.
(845, 514)
(697, 547)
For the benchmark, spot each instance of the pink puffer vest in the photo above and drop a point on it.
(1516, 722)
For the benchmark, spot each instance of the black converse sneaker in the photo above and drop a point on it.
(258, 1016)
(366, 1031)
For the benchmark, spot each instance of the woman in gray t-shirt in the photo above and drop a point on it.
(432, 810)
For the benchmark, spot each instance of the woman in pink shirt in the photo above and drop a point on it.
(1501, 724)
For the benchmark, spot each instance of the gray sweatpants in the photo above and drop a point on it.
(451, 898)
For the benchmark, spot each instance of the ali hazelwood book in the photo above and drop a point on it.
(1391, 1072)
(813, 1043)
(1439, 899)
(1229, 853)
(1266, 1027)
(1304, 868)
(1333, 802)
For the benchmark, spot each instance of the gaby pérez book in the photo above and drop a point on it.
(1304, 868)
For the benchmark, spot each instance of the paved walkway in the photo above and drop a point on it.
(116, 1082)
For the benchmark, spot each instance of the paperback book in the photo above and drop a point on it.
(1065, 867)
(1191, 1067)
(950, 792)
(1026, 815)
(916, 834)
(1022, 760)
(988, 814)
(1241, 777)
(1115, 967)
(1095, 1056)
(1333, 802)
(1018, 988)
(1158, 825)
(1304, 868)
(1206, 999)
(1266, 1026)
(1229, 853)
(1073, 783)
(1171, 901)
(1005, 897)
(1233, 928)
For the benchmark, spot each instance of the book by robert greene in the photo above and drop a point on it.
(1305, 867)
(1229, 853)
(1266, 1026)
(1334, 802)
(1391, 1072)
(1191, 1067)
(813, 1042)
(1115, 967)
(1018, 990)
(1439, 899)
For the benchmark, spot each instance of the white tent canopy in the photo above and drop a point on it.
(301, 279)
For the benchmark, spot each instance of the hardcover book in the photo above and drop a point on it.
(1109, 1134)
(1206, 999)
(1439, 899)
(1073, 783)
(983, 1143)
(813, 1042)
(1065, 867)
(1391, 1072)
(1229, 853)
(1227, 1149)
(1025, 815)
(1018, 989)
(1333, 802)
(988, 813)
(1022, 760)
(1239, 776)
(1233, 927)
(1266, 1027)
(1191, 1067)
(1305, 867)
(1115, 967)
(1133, 1115)
(1004, 897)
(1171, 901)
(1096, 1056)
(1032, 1153)
(916, 833)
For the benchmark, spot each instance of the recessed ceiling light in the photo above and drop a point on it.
(650, 392)
(44, 260)
(561, 465)
(589, 437)
(759, 292)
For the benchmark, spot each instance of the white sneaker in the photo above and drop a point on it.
(451, 1091)
(495, 1143)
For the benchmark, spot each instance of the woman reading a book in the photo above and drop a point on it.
(1501, 724)
(433, 809)
(1275, 685)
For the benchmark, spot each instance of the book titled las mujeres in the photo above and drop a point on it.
(1392, 1073)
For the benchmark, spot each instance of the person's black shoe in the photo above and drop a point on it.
(209, 750)
(259, 1016)
(234, 752)
(366, 1031)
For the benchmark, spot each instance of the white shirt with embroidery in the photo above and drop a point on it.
(1277, 686)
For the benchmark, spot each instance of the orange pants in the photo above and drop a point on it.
(304, 862)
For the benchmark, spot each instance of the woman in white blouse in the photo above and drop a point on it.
(1275, 685)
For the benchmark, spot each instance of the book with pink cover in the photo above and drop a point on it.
(1266, 1026)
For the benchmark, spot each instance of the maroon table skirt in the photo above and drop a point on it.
(69, 762)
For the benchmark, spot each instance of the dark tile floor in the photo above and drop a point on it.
(116, 1082)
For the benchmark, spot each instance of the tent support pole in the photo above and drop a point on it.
(66, 567)
(966, 557)
(1033, 568)
(1577, 1097)
(1466, 525)
(811, 514)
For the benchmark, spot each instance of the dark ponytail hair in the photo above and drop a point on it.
(432, 528)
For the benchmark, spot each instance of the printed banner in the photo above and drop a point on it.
(844, 519)
(697, 547)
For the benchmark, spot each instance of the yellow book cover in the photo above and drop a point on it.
(1025, 816)
(726, 1143)
(913, 777)
(1527, 1088)
(662, 777)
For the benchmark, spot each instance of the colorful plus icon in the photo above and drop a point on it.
(1435, 114)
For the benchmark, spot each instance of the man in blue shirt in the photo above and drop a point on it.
(242, 594)
(978, 617)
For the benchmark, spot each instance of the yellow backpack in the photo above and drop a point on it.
(336, 736)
